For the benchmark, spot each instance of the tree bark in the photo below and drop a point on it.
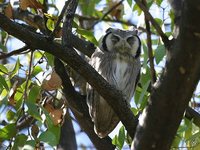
(171, 94)
(67, 136)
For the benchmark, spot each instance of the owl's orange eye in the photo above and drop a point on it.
(115, 39)
(131, 40)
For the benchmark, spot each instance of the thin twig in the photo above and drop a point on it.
(149, 45)
(154, 23)
(107, 13)
(60, 19)
(128, 23)
(26, 86)
(15, 52)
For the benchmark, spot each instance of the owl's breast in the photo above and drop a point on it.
(119, 72)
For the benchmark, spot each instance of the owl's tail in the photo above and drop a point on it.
(105, 119)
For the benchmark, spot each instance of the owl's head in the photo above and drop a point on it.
(122, 41)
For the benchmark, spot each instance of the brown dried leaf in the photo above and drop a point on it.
(8, 11)
(49, 107)
(24, 4)
(56, 116)
(12, 100)
(118, 11)
(53, 83)
(34, 131)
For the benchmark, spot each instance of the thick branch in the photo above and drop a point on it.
(79, 104)
(172, 93)
(68, 136)
(68, 55)
(177, 8)
(36, 21)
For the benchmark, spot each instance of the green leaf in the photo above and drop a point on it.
(36, 70)
(145, 76)
(119, 140)
(194, 140)
(50, 59)
(134, 110)
(10, 115)
(33, 110)
(56, 131)
(159, 53)
(88, 35)
(3, 95)
(137, 8)
(13, 68)
(130, 2)
(16, 68)
(49, 121)
(171, 14)
(159, 21)
(188, 132)
(3, 48)
(3, 82)
(121, 137)
(115, 140)
(51, 136)
(20, 141)
(30, 145)
(3, 69)
(158, 2)
(176, 141)
(145, 55)
(143, 92)
(149, 3)
(50, 24)
(87, 7)
(33, 94)
(8, 132)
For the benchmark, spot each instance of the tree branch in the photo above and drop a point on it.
(164, 113)
(36, 21)
(68, 136)
(114, 97)
(108, 12)
(15, 52)
(91, 18)
(60, 18)
(177, 8)
(154, 23)
(149, 45)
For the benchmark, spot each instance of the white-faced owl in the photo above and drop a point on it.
(117, 60)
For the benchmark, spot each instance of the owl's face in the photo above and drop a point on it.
(121, 41)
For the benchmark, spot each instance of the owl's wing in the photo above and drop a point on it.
(103, 116)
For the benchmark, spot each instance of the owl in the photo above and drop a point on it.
(117, 60)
